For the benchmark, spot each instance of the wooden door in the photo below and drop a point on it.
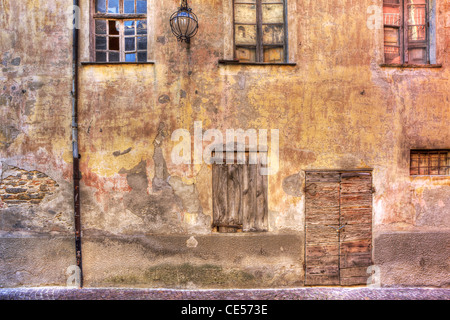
(338, 228)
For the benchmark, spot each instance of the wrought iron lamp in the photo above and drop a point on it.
(184, 23)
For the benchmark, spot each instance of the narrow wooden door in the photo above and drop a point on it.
(322, 220)
(355, 239)
(338, 228)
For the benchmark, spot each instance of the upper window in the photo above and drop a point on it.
(430, 162)
(260, 31)
(120, 30)
(407, 31)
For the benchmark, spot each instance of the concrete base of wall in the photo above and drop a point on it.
(35, 260)
(413, 259)
(211, 261)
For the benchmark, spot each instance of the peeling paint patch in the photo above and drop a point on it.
(8, 134)
(118, 153)
(15, 61)
(18, 186)
(293, 185)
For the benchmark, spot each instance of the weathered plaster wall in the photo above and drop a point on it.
(336, 109)
(36, 224)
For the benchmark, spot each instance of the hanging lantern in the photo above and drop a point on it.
(184, 23)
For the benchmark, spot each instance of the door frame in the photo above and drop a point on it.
(340, 171)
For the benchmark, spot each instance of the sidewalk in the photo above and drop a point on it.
(308, 293)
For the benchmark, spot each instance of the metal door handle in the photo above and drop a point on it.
(337, 229)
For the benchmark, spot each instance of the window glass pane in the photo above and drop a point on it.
(130, 57)
(114, 56)
(142, 56)
(417, 55)
(272, 13)
(246, 54)
(128, 6)
(391, 15)
(129, 28)
(114, 43)
(142, 43)
(141, 6)
(114, 27)
(423, 164)
(414, 164)
(391, 36)
(113, 6)
(100, 26)
(141, 27)
(100, 56)
(392, 45)
(245, 13)
(417, 33)
(274, 55)
(416, 23)
(130, 44)
(273, 34)
(100, 43)
(100, 6)
(434, 163)
(245, 34)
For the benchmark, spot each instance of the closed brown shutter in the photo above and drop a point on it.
(338, 228)
(239, 197)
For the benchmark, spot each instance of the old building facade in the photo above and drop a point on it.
(352, 96)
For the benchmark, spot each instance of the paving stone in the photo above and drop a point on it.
(316, 293)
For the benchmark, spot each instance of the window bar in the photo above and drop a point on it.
(439, 162)
(259, 35)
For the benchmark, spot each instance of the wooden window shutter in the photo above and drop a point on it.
(239, 197)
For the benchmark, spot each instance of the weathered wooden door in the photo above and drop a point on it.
(338, 228)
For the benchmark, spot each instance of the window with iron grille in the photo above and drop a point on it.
(260, 31)
(407, 36)
(119, 30)
(430, 162)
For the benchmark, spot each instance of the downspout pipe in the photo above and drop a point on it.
(76, 155)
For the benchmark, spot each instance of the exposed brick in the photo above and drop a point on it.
(15, 190)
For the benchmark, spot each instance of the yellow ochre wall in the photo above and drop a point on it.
(146, 221)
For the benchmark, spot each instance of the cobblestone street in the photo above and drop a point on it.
(316, 293)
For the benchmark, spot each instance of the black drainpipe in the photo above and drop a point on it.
(76, 155)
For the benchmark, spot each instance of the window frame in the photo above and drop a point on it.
(429, 167)
(121, 18)
(259, 47)
(403, 29)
